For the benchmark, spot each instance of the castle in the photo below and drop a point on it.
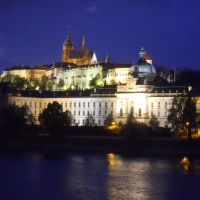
(129, 90)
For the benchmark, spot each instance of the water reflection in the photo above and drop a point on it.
(97, 176)
(185, 164)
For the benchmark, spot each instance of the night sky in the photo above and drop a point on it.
(32, 31)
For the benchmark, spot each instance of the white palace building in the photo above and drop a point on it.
(142, 95)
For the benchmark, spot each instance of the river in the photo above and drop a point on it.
(73, 175)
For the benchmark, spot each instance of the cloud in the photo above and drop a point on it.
(92, 8)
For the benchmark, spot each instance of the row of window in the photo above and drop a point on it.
(158, 104)
(93, 113)
(158, 114)
(88, 104)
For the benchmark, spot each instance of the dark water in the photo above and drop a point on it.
(44, 175)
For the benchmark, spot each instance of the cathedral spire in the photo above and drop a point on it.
(68, 41)
(82, 48)
(107, 60)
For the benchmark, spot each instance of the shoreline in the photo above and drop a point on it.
(147, 147)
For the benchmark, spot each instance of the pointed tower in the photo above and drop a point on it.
(82, 48)
(107, 60)
(67, 46)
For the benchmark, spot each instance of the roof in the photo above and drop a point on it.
(40, 67)
(80, 54)
(18, 67)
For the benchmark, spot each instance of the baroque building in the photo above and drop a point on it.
(141, 96)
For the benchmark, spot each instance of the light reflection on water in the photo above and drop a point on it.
(46, 175)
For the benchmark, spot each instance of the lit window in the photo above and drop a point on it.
(139, 112)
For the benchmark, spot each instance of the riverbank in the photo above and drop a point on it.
(145, 147)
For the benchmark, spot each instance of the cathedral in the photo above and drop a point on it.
(81, 57)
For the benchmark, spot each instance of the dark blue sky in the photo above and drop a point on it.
(32, 31)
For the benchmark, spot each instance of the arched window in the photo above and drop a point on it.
(139, 112)
(121, 111)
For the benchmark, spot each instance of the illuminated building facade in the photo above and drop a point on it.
(139, 96)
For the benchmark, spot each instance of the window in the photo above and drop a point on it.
(65, 104)
(93, 113)
(99, 122)
(83, 113)
(99, 104)
(112, 104)
(83, 104)
(79, 104)
(165, 104)
(111, 113)
(45, 105)
(94, 104)
(88, 104)
(40, 104)
(35, 104)
(35, 112)
(131, 111)
(74, 121)
(139, 112)
(106, 104)
(79, 113)
(88, 113)
(25, 103)
(165, 114)
(99, 112)
(83, 121)
(151, 113)
(74, 112)
(121, 112)
(62, 104)
(158, 104)
(105, 112)
(30, 103)
(151, 104)
(74, 104)
(70, 104)
(158, 114)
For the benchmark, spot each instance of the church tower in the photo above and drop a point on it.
(67, 46)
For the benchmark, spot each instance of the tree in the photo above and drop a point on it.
(61, 84)
(153, 122)
(97, 81)
(20, 82)
(53, 119)
(183, 114)
(43, 83)
(6, 78)
(133, 131)
(14, 119)
(89, 120)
